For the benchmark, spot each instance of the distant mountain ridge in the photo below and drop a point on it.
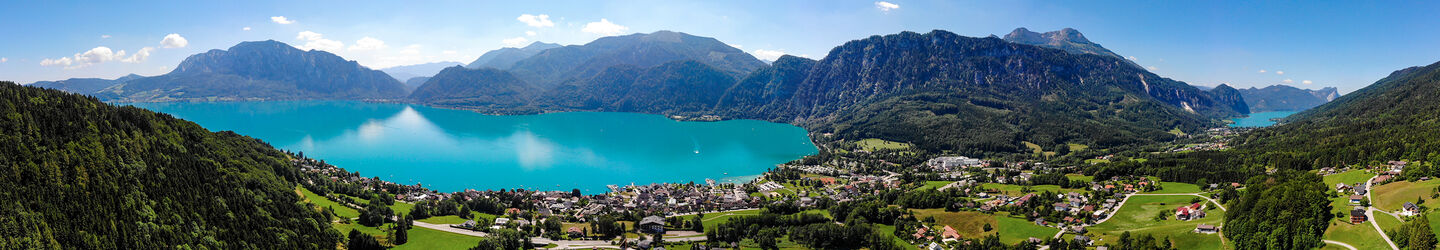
(551, 67)
(504, 58)
(1287, 98)
(260, 70)
(405, 72)
(84, 85)
(1067, 39)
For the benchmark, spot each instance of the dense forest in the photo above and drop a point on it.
(87, 175)
(1288, 210)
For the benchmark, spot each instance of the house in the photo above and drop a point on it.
(1191, 212)
(1410, 210)
(1356, 198)
(1061, 207)
(949, 233)
(575, 232)
(651, 225)
(1357, 216)
(1341, 187)
(1083, 239)
(468, 224)
(502, 221)
(920, 233)
(1206, 229)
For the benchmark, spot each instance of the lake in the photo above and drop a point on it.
(453, 150)
(1260, 119)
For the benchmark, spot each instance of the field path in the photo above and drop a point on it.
(1341, 244)
(1127, 198)
(1370, 213)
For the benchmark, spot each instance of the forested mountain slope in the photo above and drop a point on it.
(1287, 98)
(83, 174)
(1394, 118)
(260, 70)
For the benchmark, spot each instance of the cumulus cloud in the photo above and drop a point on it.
(139, 56)
(604, 27)
(514, 42)
(1277, 72)
(1262, 71)
(538, 21)
(368, 44)
(768, 55)
(174, 41)
(246, 28)
(281, 20)
(1288, 81)
(530, 33)
(1307, 82)
(886, 6)
(317, 41)
(97, 55)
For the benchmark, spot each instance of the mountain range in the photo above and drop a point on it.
(407, 73)
(262, 70)
(939, 90)
(1287, 98)
(84, 85)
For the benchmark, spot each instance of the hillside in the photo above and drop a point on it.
(485, 88)
(1067, 39)
(553, 66)
(1393, 118)
(83, 174)
(260, 71)
(406, 72)
(504, 58)
(1287, 98)
(674, 87)
(1229, 97)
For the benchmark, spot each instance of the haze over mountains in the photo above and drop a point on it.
(1287, 98)
(1050, 88)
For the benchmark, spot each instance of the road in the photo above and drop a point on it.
(1370, 213)
(447, 228)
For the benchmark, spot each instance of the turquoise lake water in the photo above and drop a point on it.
(453, 150)
(1260, 119)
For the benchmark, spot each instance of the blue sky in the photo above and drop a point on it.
(1342, 44)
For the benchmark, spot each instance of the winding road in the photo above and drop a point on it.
(1341, 244)
(1370, 213)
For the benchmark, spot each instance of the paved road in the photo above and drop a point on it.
(1341, 244)
(447, 228)
(1370, 213)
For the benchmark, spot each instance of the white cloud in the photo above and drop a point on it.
(98, 55)
(1277, 72)
(530, 33)
(2, 59)
(174, 41)
(768, 55)
(246, 28)
(604, 27)
(367, 44)
(1288, 81)
(316, 41)
(1262, 71)
(1152, 68)
(1307, 82)
(413, 49)
(281, 20)
(63, 61)
(139, 56)
(538, 21)
(886, 6)
(449, 52)
(514, 42)
(104, 36)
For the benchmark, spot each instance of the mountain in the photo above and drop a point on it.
(503, 58)
(415, 82)
(764, 90)
(485, 88)
(1392, 119)
(1067, 39)
(553, 66)
(404, 73)
(686, 85)
(83, 174)
(1229, 97)
(260, 70)
(84, 85)
(1287, 98)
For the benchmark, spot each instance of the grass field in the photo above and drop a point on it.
(711, 219)
(1386, 221)
(1137, 216)
(1434, 219)
(344, 228)
(1077, 147)
(1080, 177)
(451, 219)
(873, 144)
(402, 207)
(1362, 236)
(932, 185)
(425, 238)
(1011, 189)
(971, 225)
(1176, 188)
(890, 230)
(1015, 230)
(320, 201)
(1348, 177)
(1391, 196)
